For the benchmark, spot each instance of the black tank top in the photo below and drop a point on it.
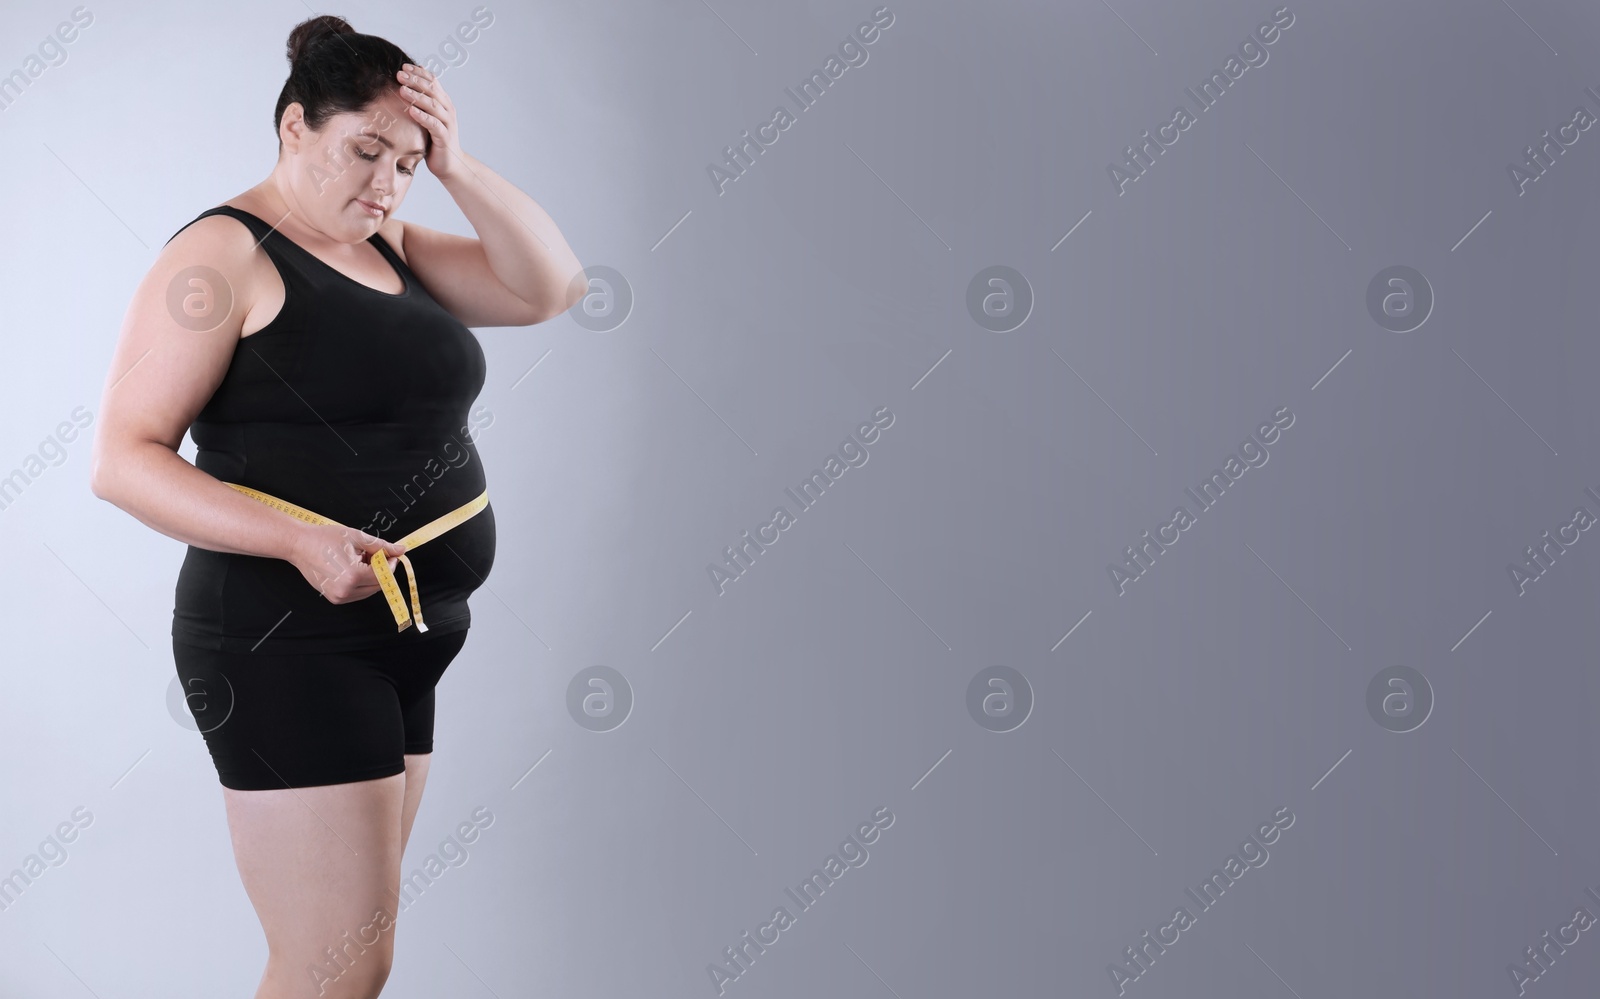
(352, 403)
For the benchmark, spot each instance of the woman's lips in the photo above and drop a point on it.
(370, 208)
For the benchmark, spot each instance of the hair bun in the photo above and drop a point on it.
(314, 29)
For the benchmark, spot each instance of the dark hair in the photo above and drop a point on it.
(334, 69)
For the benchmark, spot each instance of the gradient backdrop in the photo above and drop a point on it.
(1065, 337)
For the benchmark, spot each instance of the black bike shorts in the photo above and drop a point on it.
(302, 720)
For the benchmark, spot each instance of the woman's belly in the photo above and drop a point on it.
(229, 600)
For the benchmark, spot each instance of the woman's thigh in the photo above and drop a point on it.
(320, 865)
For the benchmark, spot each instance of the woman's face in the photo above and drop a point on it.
(369, 156)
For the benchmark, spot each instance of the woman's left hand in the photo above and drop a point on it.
(431, 108)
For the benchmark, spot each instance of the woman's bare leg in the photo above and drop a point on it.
(416, 778)
(320, 864)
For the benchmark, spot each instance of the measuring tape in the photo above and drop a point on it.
(380, 564)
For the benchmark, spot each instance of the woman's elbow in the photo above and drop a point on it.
(572, 293)
(99, 480)
(104, 472)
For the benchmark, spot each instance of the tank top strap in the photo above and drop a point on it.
(256, 226)
(302, 280)
(296, 264)
(376, 239)
(279, 248)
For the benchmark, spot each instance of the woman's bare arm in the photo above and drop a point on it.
(162, 374)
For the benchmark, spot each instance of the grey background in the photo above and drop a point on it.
(832, 677)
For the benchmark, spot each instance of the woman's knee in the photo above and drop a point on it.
(345, 972)
(370, 978)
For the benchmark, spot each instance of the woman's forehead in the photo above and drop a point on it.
(382, 122)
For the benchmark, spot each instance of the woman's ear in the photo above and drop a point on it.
(292, 127)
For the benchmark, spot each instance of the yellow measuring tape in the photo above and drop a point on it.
(380, 561)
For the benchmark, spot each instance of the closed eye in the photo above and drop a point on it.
(372, 157)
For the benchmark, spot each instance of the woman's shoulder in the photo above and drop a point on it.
(214, 232)
(220, 252)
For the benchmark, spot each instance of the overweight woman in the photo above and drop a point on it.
(317, 349)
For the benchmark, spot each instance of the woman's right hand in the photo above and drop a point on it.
(336, 560)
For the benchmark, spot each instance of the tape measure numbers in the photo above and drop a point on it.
(380, 565)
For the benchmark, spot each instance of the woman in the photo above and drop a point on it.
(317, 349)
